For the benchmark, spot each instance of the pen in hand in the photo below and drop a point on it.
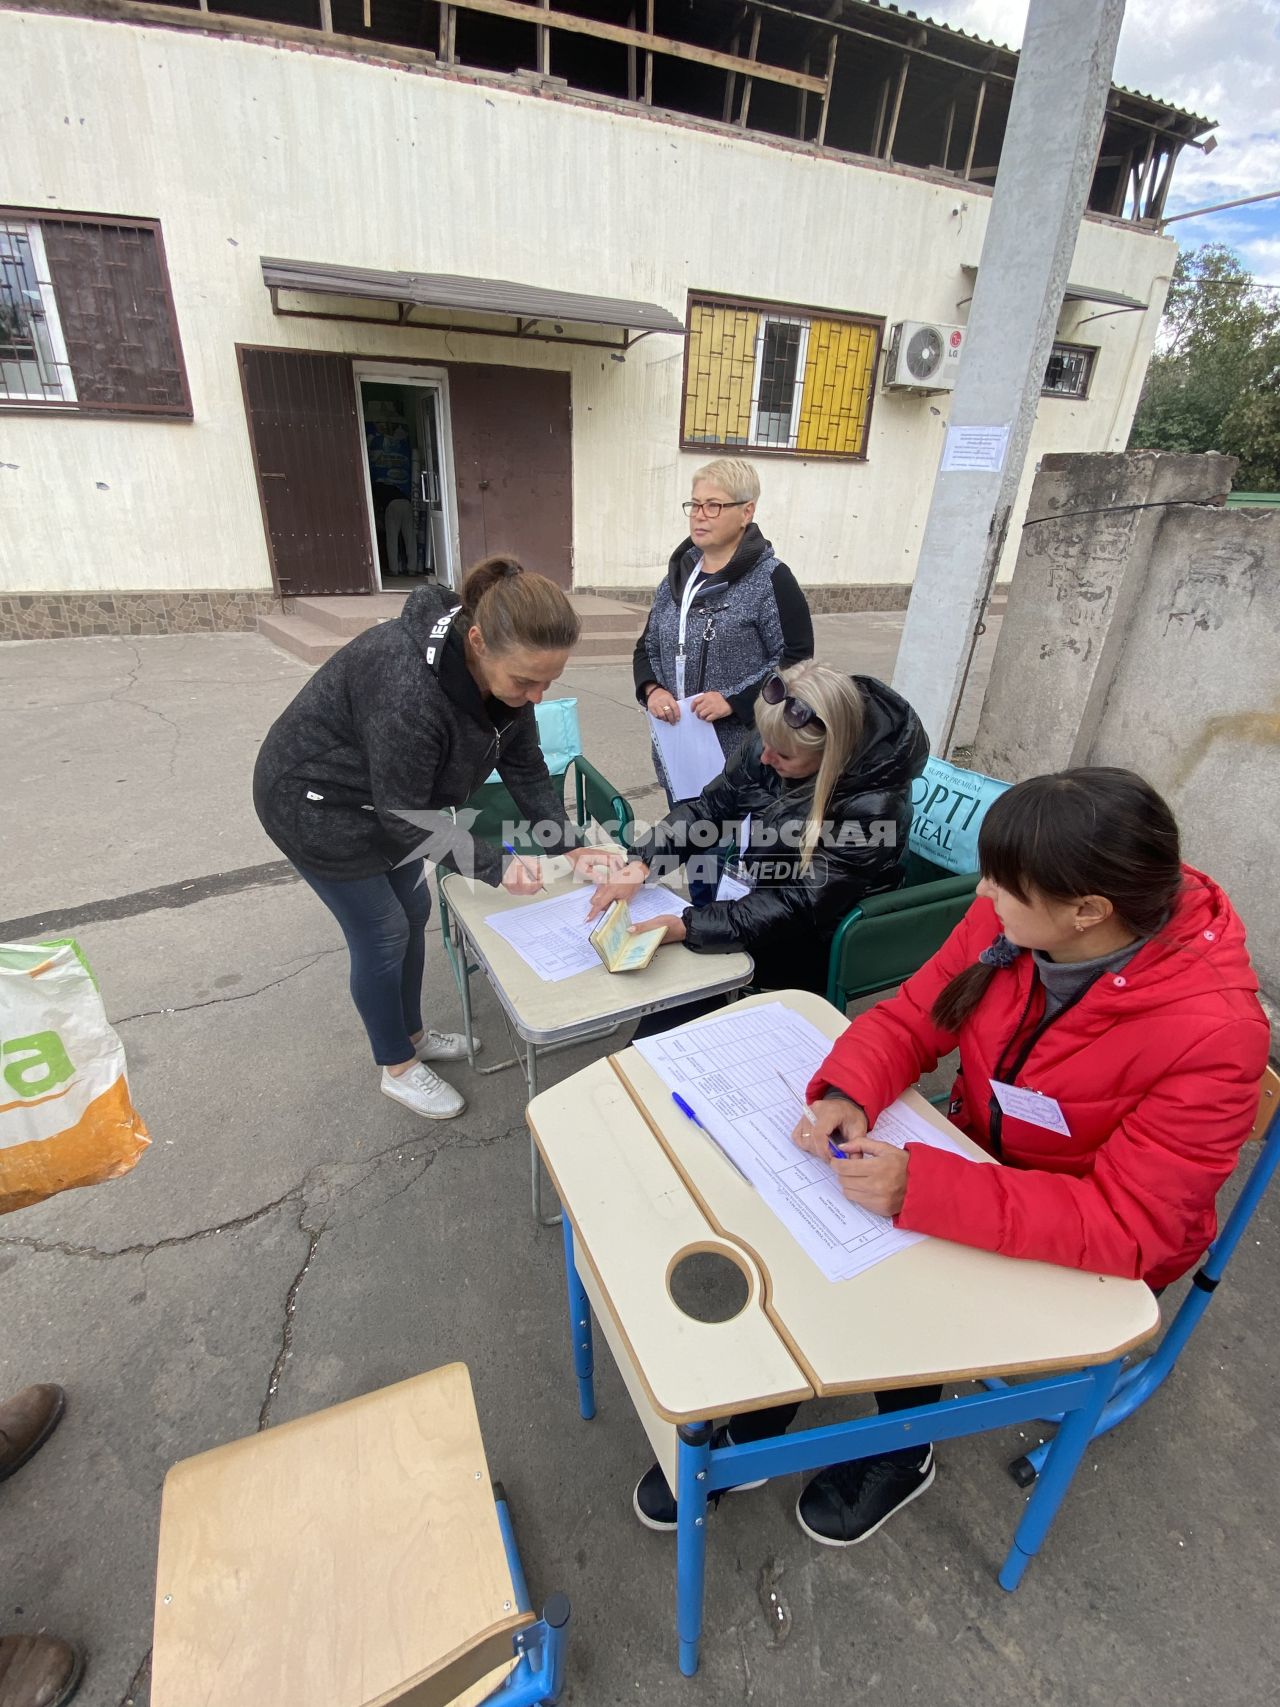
(837, 1153)
(528, 870)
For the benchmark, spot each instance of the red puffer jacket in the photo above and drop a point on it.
(1156, 1069)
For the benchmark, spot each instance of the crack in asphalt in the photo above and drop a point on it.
(237, 996)
(141, 1676)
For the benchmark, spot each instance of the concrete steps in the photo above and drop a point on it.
(313, 629)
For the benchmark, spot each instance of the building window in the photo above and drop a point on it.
(764, 377)
(1069, 371)
(86, 317)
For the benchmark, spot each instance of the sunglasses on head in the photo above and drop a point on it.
(795, 713)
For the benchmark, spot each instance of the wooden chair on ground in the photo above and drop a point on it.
(1140, 1380)
(357, 1557)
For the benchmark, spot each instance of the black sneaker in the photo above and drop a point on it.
(847, 1503)
(654, 1503)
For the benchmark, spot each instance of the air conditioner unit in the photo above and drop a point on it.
(922, 356)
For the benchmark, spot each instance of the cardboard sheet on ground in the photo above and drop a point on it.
(727, 1071)
(554, 938)
(690, 751)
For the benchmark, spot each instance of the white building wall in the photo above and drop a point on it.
(241, 150)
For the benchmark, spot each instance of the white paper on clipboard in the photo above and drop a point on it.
(690, 751)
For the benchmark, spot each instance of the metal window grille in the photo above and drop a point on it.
(1068, 372)
(33, 355)
(765, 378)
(86, 318)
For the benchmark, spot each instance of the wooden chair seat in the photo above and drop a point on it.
(352, 1558)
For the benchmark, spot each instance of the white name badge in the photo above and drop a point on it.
(731, 888)
(1032, 1106)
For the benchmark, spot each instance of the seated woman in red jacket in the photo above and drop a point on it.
(1097, 969)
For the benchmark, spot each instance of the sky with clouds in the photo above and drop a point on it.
(1219, 58)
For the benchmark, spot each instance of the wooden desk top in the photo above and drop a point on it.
(542, 1011)
(935, 1312)
(633, 1217)
(338, 1559)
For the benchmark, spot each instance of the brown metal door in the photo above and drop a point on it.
(308, 454)
(513, 465)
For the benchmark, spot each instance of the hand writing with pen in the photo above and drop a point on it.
(870, 1173)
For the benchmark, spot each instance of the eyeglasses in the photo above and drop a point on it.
(712, 507)
(795, 713)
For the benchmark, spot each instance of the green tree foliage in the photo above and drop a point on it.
(1214, 381)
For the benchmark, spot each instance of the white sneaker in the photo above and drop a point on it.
(436, 1045)
(424, 1092)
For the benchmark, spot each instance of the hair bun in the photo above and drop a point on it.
(1001, 954)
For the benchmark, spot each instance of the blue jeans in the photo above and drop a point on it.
(384, 920)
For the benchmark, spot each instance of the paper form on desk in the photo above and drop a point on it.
(690, 751)
(727, 1070)
(554, 937)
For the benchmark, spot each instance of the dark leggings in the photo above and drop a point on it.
(759, 1425)
(384, 920)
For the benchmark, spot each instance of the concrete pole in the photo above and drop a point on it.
(1046, 167)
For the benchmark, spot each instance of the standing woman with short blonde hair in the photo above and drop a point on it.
(727, 614)
(403, 723)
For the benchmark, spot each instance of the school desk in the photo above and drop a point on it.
(642, 1189)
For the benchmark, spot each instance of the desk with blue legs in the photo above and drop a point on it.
(642, 1188)
(548, 1016)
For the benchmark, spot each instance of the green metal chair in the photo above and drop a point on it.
(597, 801)
(594, 801)
(888, 937)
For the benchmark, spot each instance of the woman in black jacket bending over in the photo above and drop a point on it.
(354, 777)
(824, 789)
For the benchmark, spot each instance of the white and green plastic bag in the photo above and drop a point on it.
(66, 1116)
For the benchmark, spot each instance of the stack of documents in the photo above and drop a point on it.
(727, 1070)
(690, 751)
(554, 938)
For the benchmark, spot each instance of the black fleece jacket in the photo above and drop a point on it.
(392, 722)
(789, 919)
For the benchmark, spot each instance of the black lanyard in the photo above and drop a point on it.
(1007, 1069)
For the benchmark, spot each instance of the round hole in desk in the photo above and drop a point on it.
(708, 1285)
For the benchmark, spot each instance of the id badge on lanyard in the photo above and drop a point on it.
(685, 603)
(735, 881)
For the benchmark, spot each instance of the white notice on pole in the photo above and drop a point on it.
(975, 450)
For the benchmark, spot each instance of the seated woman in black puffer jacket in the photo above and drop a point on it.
(810, 814)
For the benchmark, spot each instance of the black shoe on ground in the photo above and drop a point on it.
(847, 1503)
(654, 1503)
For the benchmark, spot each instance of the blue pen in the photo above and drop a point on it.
(839, 1154)
(688, 1113)
(507, 848)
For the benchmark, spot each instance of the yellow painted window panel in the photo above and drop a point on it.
(722, 343)
(838, 376)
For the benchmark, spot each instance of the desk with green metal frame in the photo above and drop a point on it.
(547, 1016)
(642, 1189)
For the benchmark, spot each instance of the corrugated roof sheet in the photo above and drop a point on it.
(479, 296)
(1002, 47)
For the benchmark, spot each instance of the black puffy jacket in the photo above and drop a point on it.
(788, 920)
(392, 722)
